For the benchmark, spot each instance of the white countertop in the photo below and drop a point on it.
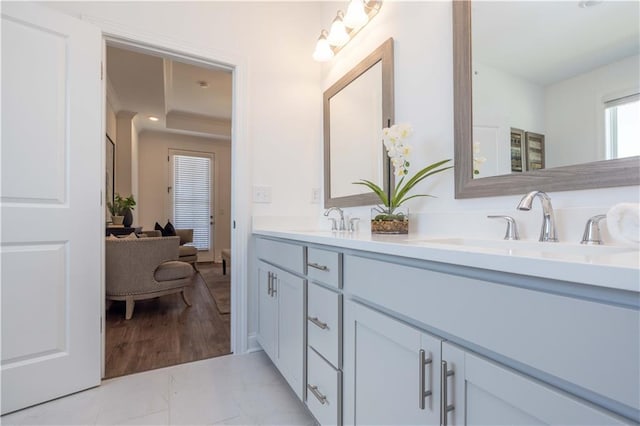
(619, 268)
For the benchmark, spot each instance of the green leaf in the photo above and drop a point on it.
(400, 192)
(376, 189)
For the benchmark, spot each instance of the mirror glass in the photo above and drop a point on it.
(553, 84)
(353, 139)
(356, 108)
(545, 96)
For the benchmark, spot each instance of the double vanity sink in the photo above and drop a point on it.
(606, 266)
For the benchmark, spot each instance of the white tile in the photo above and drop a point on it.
(230, 390)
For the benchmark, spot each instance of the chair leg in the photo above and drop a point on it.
(185, 298)
(130, 303)
(224, 267)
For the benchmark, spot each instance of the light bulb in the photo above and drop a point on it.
(338, 34)
(356, 17)
(323, 51)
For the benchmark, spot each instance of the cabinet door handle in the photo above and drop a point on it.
(318, 323)
(274, 285)
(314, 390)
(318, 266)
(269, 283)
(445, 407)
(424, 361)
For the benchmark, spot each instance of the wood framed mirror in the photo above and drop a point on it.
(355, 110)
(587, 175)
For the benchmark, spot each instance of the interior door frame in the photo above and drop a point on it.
(213, 202)
(132, 38)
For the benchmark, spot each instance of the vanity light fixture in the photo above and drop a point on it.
(338, 35)
(153, 118)
(323, 50)
(345, 27)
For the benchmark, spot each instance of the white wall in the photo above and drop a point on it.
(575, 111)
(154, 178)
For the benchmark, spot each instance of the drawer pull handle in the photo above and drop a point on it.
(270, 284)
(318, 266)
(314, 390)
(317, 322)
(445, 407)
(424, 361)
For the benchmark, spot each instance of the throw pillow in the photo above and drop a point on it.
(159, 227)
(169, 230)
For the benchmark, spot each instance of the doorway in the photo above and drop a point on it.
(164, 119)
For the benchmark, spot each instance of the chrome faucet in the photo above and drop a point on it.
(548, 231)
(334, 227)
(592, 230)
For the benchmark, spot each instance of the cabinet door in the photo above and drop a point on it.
(289, 291)
(482, 392)
(267, 305)
(383, 368)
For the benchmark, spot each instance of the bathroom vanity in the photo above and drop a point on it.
(409, 330)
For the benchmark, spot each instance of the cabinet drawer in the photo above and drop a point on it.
(324, 386)
(325, 266)
(288, 256)
(324, 322)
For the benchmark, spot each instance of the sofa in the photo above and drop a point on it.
(186, 252)
(145, 268)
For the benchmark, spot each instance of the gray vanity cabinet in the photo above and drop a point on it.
(482, 392)
(391, 370)
(281, 309)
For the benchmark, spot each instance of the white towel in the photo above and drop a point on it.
(623, 222)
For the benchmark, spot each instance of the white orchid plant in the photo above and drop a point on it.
(399, 151)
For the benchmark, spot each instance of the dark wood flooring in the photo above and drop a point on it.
(164, 332)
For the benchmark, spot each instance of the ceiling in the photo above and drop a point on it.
(171, 91)
(549, 41)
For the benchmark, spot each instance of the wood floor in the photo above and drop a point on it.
(164, 332)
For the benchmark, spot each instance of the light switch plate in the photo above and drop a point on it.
(315, 195)
(261, 194)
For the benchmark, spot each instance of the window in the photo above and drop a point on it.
(192, 197)
(622, 126)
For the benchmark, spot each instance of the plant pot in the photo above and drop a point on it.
(128, 218)
(385, 222)
(117, 220)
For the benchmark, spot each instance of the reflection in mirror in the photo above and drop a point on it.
(542, 92)
(356, 108)
(554, 70)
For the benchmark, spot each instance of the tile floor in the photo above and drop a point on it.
(228, 390)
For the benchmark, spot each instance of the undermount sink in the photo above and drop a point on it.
(516, 246)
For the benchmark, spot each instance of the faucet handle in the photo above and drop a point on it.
(592, 230)
(353, 224)
(512, 227)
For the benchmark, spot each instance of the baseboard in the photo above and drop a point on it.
(252, 343)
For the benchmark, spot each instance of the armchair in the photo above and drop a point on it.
(145, 268)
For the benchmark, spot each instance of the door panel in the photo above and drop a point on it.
(51, 214)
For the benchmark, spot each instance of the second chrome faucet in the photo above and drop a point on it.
(548, 231)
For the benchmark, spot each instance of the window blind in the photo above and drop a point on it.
(191, 197)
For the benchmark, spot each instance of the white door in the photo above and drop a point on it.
(52, 218)
(191, 197)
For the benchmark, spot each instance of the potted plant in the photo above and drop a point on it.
(121, 209)
(389, 217)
